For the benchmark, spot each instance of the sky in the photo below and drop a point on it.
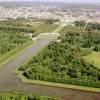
(69, 1)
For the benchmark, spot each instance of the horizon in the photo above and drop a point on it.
(68, 1)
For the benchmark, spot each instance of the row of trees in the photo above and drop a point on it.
(15, 22)
(90, 25)
(17, 28)
(24, 97)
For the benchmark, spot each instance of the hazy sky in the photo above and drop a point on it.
(72, 1)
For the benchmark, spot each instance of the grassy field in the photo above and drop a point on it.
(94, 58)
(70, 28)
(45, 28)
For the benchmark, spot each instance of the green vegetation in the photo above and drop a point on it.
(62, 62)
(11, 40)
(94, 59)
(19, 96)
(27, 26)
(13, 53)
(90, 25)
(67, 86)
(45, 28)
(14, 35)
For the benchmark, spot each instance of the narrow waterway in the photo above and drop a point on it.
(9, 82)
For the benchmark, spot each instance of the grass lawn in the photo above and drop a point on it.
(94, 58)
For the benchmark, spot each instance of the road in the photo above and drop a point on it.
(9, 82)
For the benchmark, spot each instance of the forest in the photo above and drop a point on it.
(62, 62)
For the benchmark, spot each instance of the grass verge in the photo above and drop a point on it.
(13, 53)
(24, 79)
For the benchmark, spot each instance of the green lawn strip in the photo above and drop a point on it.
(13, 53)
(94, 59)
(24, 79)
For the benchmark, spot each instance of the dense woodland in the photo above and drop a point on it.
(63, 62)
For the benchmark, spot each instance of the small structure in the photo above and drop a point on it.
(29, 35)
